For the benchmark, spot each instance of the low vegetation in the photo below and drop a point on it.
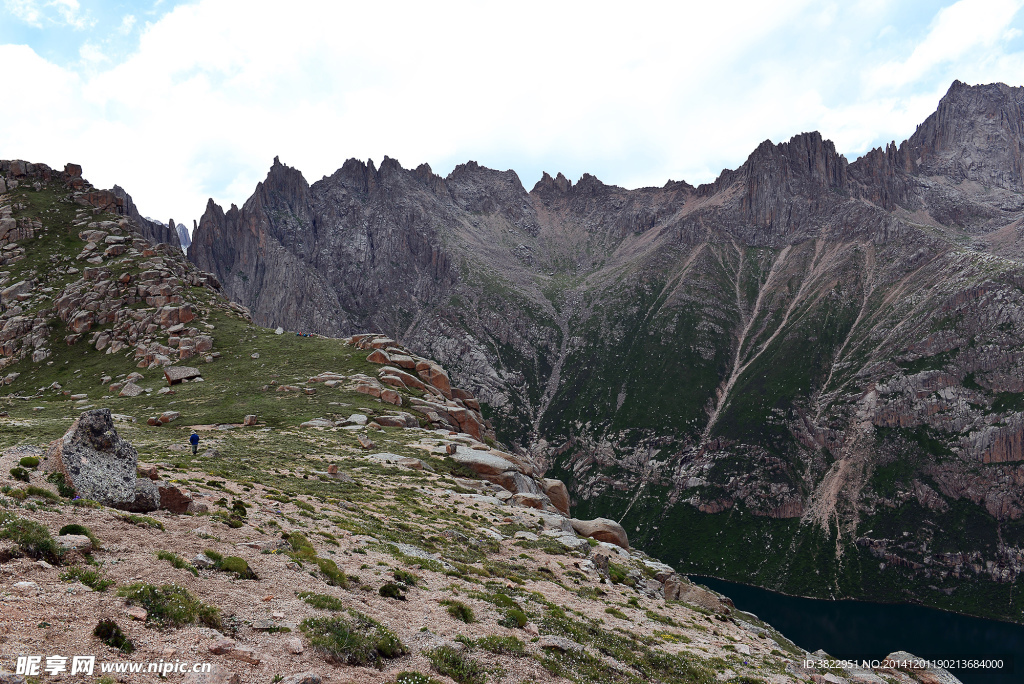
(353, 640)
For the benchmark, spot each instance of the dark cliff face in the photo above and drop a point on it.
(155, 233)
(830, 349)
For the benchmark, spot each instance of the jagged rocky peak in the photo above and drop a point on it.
(547, 186)
(977, 133)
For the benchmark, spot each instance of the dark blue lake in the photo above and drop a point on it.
(861, 630)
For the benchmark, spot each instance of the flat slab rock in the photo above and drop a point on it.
(175, 374)
(481, 462)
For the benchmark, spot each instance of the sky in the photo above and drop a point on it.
(178, 102)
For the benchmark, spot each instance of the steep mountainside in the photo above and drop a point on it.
(807, 374)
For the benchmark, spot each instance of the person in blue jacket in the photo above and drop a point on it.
(194, 441)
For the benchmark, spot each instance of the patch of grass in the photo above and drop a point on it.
(109, 633)
(334, 575)
(19, 473)
(658, 617)
(619, 575)
(29, 462)
(177, 561)
(459, 610)
(88, 577)
(42, 493)
(238, 566)
(451, 663)
(214, 556)
(170, 605)
(405, 577)
(301, 546)
(514, 618)
(322, 601)
(358, 640)
(80, 530)
(32, 538)
(502, 645)
(142, 521)
(615, 612)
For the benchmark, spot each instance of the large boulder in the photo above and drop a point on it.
(601, 529)
(172, 498)
(483, 463)
(558, 493)
(96, 461)
(517, 483)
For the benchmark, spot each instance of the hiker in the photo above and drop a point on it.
(194, 441)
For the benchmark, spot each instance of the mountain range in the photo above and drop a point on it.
(806, 375)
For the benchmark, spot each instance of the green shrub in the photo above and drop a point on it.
(29, 462)
(502, 645)
(80, 530)
(358, 640)
(459, 611)
(177, 561)
(238, 566)
(322, 601)
(88, 577)
(32, 538)
(19, 473)
(170, 605)
(63, 488)
(451, 663)
(514, 618)
(334, 575)
(110, 634)
(392, 590)
(615, 612)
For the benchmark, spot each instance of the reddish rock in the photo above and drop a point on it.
(379, 356)
(601, 529)
(176, 374)
(173, 499)
(558, 493)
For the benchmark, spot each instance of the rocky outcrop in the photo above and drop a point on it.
(132, 280)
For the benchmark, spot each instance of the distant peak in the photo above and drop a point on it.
(558, 184)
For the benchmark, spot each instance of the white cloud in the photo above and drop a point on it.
(217, 88)
(26, 10)
(127, 23)
(962, 28)
(48, 12)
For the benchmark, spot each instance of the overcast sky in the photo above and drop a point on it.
(181, 101)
